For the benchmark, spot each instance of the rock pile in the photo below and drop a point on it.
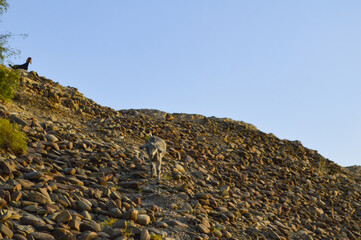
(84, 176)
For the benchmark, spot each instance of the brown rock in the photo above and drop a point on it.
(15, 196)
(41, 236)
(144, 235)
(2, 203)
(203, 229)
(32, 220)
(89, 236)
(131, 214)
(63, 234)
(7, 167)
(63, 217)
(51, 138)
(121, 223)
(39, 197)
(90, 226)
(6, 231)
(143, 219)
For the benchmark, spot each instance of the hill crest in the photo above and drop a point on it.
(222, 179)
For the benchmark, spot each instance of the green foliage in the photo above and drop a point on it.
(109, 222)
(11, 137)
(127, 232)
(3, 6)
(155, 237)
(5, 50)
(9, 82)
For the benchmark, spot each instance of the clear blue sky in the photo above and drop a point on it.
(292, 68)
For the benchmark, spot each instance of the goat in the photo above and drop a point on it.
(156, 149)
(22, 66)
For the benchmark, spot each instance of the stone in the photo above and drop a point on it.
(131, 214)
(26, 183)
(117, 212)
(63, 234)
(51, 138)
(2, 203)
(206, 223)
(63, 217)
(26, 229)
(89, 236)
(32, 220)
(179, 167)
(160, 224)
(69, 171)
(42, 236)
(19, 237)
(203, 229)
(174, 222)
(75, 224)
(143, 219)
(121, 223)
(7, 167)
(187, 208)
(83, 206)
(38, 197)
(15, 196)
(90, 226)
(144, 235)
(33, 175)
(5, 216)
(6, 231)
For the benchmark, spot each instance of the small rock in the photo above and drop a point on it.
(131, 214)
(69, 171)
(63, 217)
(90, 226)
(33, 175)
(89, 236)
(143, 219)
(32, 220)
(160, 224)
(63, 234)
(19, 237)
(2, 203)
(5, 216)
(203, 229)
(83, 206)
(177, 223)
(15, 196)
(5, 230)
(39, 197)
(117, 212)
(26, 183)
(42, 236)
(187, 208)
(51, 138)
(121, 223)
(74, 224)
(144, 235)
(7, 167)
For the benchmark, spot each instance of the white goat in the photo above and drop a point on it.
(156, 149)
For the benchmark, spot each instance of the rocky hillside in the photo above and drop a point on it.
(84, 176)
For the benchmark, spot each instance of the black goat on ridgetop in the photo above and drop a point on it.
(23, 66)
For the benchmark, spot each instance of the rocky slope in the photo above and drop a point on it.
(85, 177)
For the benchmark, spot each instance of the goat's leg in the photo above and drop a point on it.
(153, 169)
(159, 164)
